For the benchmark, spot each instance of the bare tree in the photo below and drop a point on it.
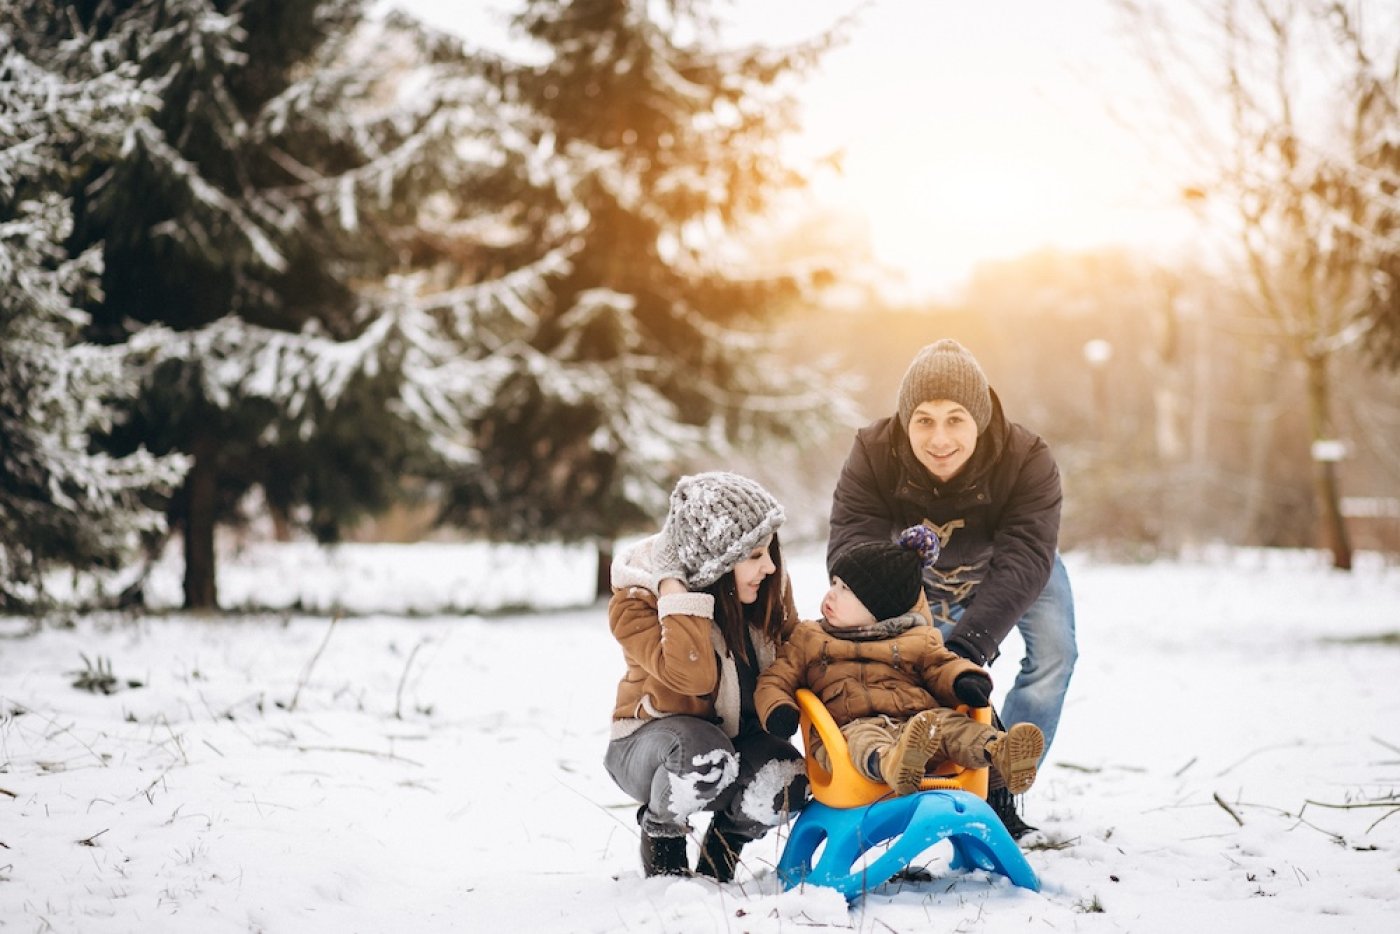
(1289, 109)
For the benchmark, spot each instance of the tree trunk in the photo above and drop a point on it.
(1334, 524)
(1325, 482)
(1263, 422)
(603, 585)
(281, 525)
(201, 489)
(1167, 406)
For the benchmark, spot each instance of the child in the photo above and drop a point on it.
(881, 669)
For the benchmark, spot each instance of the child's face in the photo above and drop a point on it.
(750, 573)
(842, 608)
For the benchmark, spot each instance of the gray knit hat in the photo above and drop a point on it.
(945, 370)
(715, 521)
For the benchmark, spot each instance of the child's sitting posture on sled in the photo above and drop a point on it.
(881, 669)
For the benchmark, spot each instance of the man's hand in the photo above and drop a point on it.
(957, 646)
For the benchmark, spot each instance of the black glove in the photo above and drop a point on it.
(782, 721)
(959, 647)
(974, 688)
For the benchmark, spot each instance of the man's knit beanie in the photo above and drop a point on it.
(945, 370)
(716, 519)
(888, 576)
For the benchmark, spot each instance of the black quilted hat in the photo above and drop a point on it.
(888, 576)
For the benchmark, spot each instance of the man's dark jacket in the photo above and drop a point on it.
(998, 521)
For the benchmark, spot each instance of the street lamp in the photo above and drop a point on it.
(1097, 353)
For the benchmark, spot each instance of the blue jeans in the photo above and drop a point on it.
(1047, 629)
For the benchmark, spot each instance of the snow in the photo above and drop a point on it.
(409, 768)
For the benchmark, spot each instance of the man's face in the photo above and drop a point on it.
(943, 437)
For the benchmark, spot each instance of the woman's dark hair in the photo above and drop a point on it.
(765, 614)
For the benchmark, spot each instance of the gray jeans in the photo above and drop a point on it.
(677, 766)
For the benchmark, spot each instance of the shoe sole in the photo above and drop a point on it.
(916, 745)
(1018, 756)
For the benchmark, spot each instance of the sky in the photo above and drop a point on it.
(969, 131)
(1226, 765)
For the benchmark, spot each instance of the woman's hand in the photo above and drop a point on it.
(670, 586)
(670, 579)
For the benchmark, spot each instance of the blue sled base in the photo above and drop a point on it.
(920, 820)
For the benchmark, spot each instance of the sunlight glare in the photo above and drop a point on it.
(976, 132)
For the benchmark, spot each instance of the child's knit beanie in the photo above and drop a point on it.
(888, 576)
(716, 519)
(945, 370)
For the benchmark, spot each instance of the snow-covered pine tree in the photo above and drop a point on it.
(656, 349)
(248, 224)
(61, 502)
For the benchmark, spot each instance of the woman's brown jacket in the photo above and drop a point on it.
(674, 652)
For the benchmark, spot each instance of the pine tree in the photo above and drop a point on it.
(250, 224)
(61, 503)
(656, 347)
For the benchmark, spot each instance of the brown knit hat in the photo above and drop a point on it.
(945, 370)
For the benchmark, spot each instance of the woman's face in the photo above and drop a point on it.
(943, 436)
(842, 609)
(750, 573)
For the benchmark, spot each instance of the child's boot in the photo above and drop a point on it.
(1016, 755)
(902, 765)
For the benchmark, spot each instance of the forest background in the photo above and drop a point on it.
(320, 270)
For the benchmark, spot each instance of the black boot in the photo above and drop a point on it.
(1003, 803)
(912, 874)
(664, 856)
(719, 851)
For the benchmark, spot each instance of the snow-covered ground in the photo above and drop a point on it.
(1229, 760)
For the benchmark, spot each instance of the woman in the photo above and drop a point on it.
(700, 609)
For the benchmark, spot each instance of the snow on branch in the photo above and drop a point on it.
(438, 387)
(145, 135)
(519, 293)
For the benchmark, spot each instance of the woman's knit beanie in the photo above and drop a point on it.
(888, 576)
(716, 519)
(945, 370)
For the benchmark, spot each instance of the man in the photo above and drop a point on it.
(990, 489)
